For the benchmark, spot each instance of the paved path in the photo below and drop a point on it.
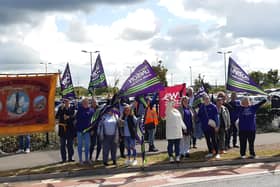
(38, 158)
(230, 176)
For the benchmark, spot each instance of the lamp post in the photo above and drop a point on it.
(225, 62)
(190, 75)
(90, 55)
(46, 65)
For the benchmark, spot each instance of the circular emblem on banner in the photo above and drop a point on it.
(17, 104)
(40, 103)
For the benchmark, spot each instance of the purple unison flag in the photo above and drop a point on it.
(97, 77)
(239, 81)
(142, 80)
(66, 84)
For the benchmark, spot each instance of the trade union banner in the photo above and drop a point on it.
(173, 93)
(27, 103)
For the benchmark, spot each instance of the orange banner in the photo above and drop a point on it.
(27, 103)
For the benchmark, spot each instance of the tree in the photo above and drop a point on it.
(272, 77)
(161, 71)
(200, 82)
(258, 77)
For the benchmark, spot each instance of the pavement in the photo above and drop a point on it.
(40, 158)
(257, 175)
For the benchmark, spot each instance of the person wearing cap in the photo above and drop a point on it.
(66, 130)
(224, 120)
(150, 122)
(174, 130)
(83, 117)
(208, 116)
(187, 116)
(109, 135)
(129, 122)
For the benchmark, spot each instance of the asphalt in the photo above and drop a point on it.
(40, 158)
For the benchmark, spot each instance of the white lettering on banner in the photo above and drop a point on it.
(173, 96)
(144, 72)
(238, 74)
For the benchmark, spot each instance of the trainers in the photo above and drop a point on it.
(134, 162)
(127, 162)
(20, 151)
(27, 150)
(209, 155)
(217, 156)
(243, 157)
(171, 159)
(252, 156)
(177, 158)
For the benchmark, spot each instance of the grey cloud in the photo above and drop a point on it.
(18, 57)
(244, 19)
(183, 38)
(134, 34)
(77, 32)
(18, 11)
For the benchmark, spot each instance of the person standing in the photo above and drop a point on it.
(109, 135)
(190, 94)
(208, 116)
(233, 106)
(174, 127)
(83, 117)
(150, 122)
(224, 124)
(94, 140)
(130, 132)
(187, 116)
(66, 130)
(247, 126)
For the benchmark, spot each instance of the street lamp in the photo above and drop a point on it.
(90, 53)
(190, 75)
(46, 65)
(225, 62)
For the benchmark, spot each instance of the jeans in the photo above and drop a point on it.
(83, 138)
(24, 145)
(66, 142)
(151, 136)
(211, 141)
(109, 145)
(222, 139)
(185, 144)
(176, 144)
(243, 137)
(130, 145)
(94, 141)
(233, 133)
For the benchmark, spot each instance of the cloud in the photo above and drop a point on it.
(141, 24)
(183, 38)
(18, 11)
(18, 57)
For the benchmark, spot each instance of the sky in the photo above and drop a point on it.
(184, 34)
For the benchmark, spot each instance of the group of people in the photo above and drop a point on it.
(117, 127)
(219, 120)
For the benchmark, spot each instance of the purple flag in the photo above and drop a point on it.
(66, 84)
(239, 81)
(97, 78)
(141, 81)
